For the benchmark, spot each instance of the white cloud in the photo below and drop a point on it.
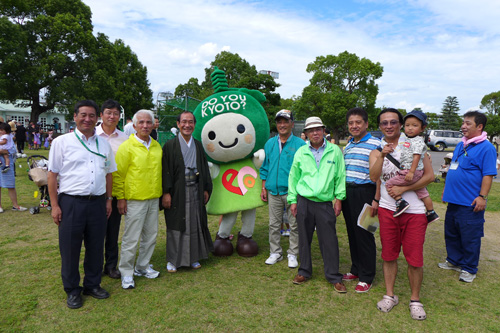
(423, 63)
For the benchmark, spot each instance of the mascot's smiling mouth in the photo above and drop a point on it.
(231, 145)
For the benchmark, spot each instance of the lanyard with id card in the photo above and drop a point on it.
(106, 162)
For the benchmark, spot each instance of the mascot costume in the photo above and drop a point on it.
(233, 127)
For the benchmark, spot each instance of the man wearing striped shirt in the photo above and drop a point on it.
(360, 190)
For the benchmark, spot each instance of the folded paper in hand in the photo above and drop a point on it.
(366, 221)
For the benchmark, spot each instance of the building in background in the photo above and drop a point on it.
(22, 115)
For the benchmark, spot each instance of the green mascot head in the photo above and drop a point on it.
(231, 124)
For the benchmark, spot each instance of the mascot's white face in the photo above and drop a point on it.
(228, 137)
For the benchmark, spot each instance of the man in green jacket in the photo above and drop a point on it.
(317, 177)
(137, 186)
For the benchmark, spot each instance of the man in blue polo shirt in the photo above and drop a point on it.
(360, 190)
(280, 151)
(466, 191)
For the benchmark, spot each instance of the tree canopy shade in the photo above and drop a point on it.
(49, 56)
(115, 72)
(450, 119)
(491, 103)
(339, 83)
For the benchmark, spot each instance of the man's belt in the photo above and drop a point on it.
(191, 177)
(87, 197)
(353, 185)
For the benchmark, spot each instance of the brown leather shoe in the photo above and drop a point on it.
(340, 287)
(299, 279)
(113, 273)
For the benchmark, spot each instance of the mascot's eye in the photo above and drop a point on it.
(211, 135)
(240, 129)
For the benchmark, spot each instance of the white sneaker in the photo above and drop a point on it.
(1, 210)
(128, 282)
(149, 272)
(19, 209)
(447, 265)
(466, 276)
(171, 268)
(292, 261)
(274, 258)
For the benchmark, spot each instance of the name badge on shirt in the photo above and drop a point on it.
(454, 166)
(107, 163)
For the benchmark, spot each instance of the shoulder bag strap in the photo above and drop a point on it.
(391, 158)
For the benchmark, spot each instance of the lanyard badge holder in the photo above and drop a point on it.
(106, 162)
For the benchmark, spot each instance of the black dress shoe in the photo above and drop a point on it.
(113, 273)
(97, 292)
(74, 301)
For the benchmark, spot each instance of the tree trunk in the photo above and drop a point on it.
(37, 109)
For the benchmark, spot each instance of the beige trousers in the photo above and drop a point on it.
(141, 222)
(277, 205)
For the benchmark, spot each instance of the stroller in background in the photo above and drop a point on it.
(38, 171)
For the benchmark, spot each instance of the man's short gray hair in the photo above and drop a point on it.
(143, 111)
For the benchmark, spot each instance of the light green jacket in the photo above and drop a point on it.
(322, 184)
(138, 175)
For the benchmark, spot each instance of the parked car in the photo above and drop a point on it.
(441, 139)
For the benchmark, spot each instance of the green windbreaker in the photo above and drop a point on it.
(322, 184)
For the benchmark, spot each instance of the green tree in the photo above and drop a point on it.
(114, 71)
(191, 88)
(491, 103)
(49, 56)
(450, 119)
(339, 83)
(239, 74)
(433, 120)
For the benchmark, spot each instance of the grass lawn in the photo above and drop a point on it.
(235, 293)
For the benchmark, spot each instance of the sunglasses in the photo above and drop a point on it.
(386, 123)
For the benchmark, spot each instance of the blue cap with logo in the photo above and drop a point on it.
(287, 114)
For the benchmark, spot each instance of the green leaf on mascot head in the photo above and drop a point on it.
(237, 122)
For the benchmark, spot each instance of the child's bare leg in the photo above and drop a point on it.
(428, 203)
(6, 158)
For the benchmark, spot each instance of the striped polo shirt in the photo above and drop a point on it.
(356, 157)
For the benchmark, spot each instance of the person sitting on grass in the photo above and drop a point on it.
(412, 167)
(6, 144)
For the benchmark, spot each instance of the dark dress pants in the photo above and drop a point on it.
(82, 220)
(20, 146)
(361, 242)
(112, 233)
(321, 215)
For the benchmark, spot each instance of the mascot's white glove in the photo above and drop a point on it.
(214, 170)
(258, 158)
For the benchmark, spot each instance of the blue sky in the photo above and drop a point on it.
(430, 49)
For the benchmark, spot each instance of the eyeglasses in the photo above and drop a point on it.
(109, 113)
(386, 123)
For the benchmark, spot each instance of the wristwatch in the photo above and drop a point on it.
(485, 197)
(109, 198)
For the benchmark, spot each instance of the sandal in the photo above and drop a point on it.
(417, 311)
(387, 303)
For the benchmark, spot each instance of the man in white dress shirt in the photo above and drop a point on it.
(80, 207)
(110, 116)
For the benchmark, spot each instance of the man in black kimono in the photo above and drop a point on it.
(186, 189)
